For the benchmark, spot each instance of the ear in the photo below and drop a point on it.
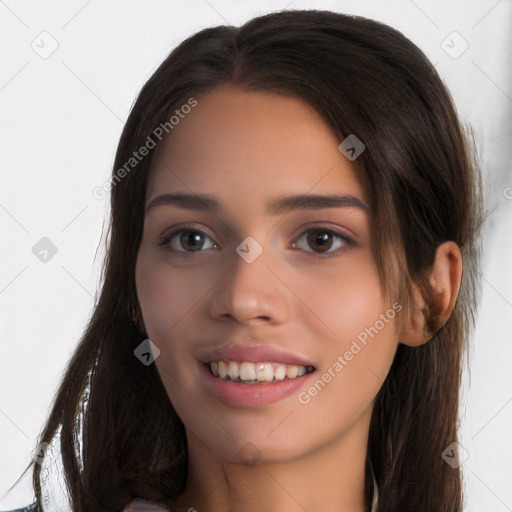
(444, 283)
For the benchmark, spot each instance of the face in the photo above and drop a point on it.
(248, 277)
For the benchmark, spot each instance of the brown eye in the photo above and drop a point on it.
(323, 241)
(320, 239)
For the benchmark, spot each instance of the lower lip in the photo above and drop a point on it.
(236, 394)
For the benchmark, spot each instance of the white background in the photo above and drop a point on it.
(61, 118)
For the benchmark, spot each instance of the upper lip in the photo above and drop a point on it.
(255, 354)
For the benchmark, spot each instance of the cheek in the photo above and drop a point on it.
(354, 368)
(342, 301)
(355, 328)
(165, 295)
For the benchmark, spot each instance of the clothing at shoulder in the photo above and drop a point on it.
(137, 505)
(30, 508)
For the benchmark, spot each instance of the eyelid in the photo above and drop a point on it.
(327, 226)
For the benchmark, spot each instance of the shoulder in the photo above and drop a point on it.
(139, 505)
(134, 506)
(30, 508)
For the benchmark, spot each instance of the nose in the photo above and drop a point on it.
(251, 292)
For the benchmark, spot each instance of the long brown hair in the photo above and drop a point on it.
(421, 179)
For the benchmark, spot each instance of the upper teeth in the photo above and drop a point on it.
(256, 372)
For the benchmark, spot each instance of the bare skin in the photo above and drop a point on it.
(245, 149)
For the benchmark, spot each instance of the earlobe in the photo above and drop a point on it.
(428, 316)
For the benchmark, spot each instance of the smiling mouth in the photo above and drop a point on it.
(246, 372)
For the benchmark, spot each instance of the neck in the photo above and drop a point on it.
(329, 478)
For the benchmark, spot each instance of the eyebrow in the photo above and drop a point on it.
(277, 206)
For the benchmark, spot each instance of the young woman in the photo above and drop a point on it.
(289, 285)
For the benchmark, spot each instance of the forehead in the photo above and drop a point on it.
(244, 146)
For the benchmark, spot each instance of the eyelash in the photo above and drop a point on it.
(348, 241)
